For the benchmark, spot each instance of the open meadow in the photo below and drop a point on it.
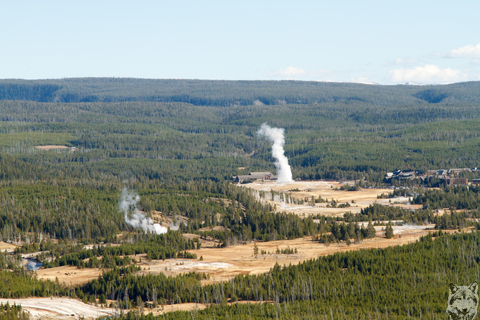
(328, 191)
(221, 264)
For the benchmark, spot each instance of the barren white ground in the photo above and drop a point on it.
(59, 308)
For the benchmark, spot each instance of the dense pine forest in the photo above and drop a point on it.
(178, 143)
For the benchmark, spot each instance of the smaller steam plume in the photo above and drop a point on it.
(133, 217)
(33, 264)
(275, 136)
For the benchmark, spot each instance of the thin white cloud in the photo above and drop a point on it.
(468, 51)
(426, 74)
(436, 55)
(289, 72)
(407, 61)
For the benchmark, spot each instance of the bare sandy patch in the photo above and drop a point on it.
(441, 212)
(59, 308)
(174, 267)
(216, 228)
(49, 147)
(207, 242)
(7, 247)
(406, 206)
(168, 221)
(91, 246)
(69, 275)
(177, 307)
(189, 307)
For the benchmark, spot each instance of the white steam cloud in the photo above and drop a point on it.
(133, 217)
(275, 136)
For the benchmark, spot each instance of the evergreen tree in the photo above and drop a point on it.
(370, 230)
(389, 231)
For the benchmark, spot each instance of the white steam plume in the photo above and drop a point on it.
(128, 204)
(275, 136)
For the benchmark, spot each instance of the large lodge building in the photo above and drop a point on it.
(448, 176)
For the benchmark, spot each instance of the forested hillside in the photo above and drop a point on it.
(230, 93)
(159, 148)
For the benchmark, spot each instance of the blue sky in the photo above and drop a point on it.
(384, 42)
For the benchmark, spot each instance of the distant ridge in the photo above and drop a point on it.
(233, 93)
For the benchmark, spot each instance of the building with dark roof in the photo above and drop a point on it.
(265, 176)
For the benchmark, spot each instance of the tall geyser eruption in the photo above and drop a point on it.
(133, 217)
(275, 136)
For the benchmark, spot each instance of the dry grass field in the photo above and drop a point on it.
(7, 247)
(69, 275)
(224, 263)
(208, 242)
(176, 307)
(327, 190)
(186, 307)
